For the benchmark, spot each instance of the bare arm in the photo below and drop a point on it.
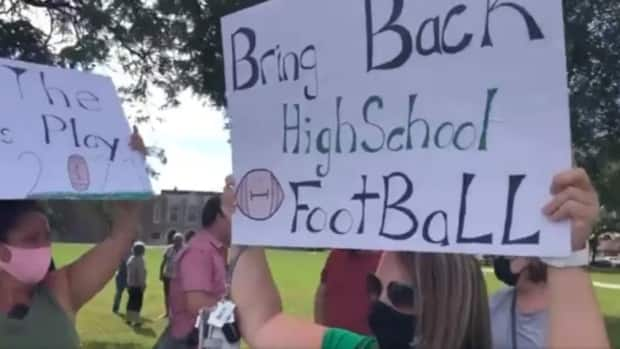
(197, 300)
(89, 274)
(319, 304)
(575, 320)
(259, 307)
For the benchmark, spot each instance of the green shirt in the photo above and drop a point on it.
(45, 326)
(336, 338)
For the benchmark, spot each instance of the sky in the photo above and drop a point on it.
(196, 145)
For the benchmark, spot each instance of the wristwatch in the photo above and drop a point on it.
(579, 258)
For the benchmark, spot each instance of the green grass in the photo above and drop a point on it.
(297, 274)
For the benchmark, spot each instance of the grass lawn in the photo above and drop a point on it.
(297, 274)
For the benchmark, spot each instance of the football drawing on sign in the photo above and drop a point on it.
(79, 174)
(37, 159)
(259, 195)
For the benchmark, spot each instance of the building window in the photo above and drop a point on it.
(192, 214)
(157, 212)
(174, 214)
(155, 236)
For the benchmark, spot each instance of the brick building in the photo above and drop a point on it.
(176, 210)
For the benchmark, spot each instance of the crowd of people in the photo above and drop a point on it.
(390, 300)
(132, 272)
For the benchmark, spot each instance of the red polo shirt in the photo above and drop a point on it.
(346, 298)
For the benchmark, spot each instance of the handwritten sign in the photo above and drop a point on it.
(63, 134)
(398, 125)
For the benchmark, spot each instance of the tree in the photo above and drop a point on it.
(593, 51)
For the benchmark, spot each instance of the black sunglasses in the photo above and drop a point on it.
(400, 295)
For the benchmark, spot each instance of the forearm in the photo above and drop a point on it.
(259, 308)
(284, 332)
(254, 291)
(572, 297)
(198, 300)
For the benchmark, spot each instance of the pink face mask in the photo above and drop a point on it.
(28, 265)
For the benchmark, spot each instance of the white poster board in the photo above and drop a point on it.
(398, 125)
(63, 135)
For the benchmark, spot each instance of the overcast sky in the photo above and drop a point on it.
(196, 144)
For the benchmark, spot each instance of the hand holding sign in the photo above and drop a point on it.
(576, 199)
(137, 143)
(228, 197)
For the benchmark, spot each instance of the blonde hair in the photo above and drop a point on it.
(450, 301)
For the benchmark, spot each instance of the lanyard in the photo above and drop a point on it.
(513, 319)
(229, 275)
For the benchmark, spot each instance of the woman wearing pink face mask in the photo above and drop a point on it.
(38, 304)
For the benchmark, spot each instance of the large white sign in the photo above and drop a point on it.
(63, 134)
(430, 125)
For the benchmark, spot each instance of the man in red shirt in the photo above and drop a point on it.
(199, 280)
(341, 299)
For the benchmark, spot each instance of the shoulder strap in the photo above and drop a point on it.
(513, 319)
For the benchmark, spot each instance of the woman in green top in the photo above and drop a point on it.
(449, 306)
(37, 303)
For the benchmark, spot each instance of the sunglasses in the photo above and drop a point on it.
(399, 294)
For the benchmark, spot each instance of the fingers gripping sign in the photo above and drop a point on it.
(575, 199)
(137, 143)
(228, 196)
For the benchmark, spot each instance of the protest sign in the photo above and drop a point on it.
(398, 125)
(63, 135)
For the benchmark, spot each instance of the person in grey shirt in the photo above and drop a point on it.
(519, 313)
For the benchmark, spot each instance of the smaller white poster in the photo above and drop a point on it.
(63, 135)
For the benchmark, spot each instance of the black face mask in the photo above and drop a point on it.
(501, 265)
(393, 329)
